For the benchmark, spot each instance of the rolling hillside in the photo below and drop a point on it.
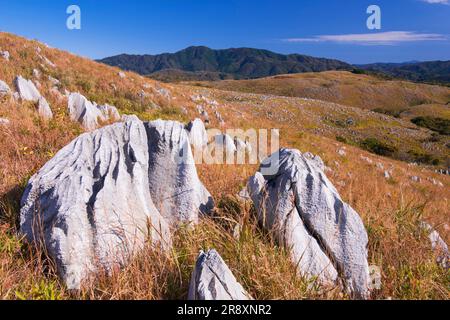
(356, 144)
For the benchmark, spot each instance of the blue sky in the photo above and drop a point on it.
(411, 29)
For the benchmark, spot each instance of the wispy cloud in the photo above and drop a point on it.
(380, 38)
(436, 1)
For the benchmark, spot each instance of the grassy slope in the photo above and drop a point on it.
(390, 209)
(362, 91)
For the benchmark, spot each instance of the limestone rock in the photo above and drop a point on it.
(438, 245)
(213, 280)
(197, 133)
(83, 111)
(91, 205)
(175, 188)
(304, 210)
(4, 89)
(27, 90)
(44, 109)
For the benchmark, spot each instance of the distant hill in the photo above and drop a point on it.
(431, 71)
(202, 63)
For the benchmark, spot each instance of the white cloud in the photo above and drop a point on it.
(436, 1)
(380, 38)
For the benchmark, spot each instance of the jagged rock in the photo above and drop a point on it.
(4, 121)
(415, 179)
(95, 204)
(91, 204)
(44, 109)
(213, 280)
(438, 245)
(197, 133)
(27, 90)
(315, 159)
(304, 210)
(387, 174)
(89, 113)
(4, 89)
(175, 187)
(122, 75)
(83, 111)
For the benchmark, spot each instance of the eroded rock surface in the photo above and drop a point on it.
(197, 133)
(98, 201)
(88, 113)
(326, 236)
(27, 90)
(213, 280)
(44, 109)
(174, 183)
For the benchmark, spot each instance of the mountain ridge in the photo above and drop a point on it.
(233, 63)
(201, 63)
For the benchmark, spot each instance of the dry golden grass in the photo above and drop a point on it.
(391, 209)
(343, 87)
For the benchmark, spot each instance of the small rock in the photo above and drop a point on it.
(5, 55)
(122, 75)
(27, 90)
(341, 152)
(213, 280)
(44, 109)
(4, 89)
(438, 245)
(4, 121)
(197, 133)
(83, 111)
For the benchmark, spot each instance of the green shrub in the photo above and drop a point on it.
(375, 146)
(439, 125)
(392, 113)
